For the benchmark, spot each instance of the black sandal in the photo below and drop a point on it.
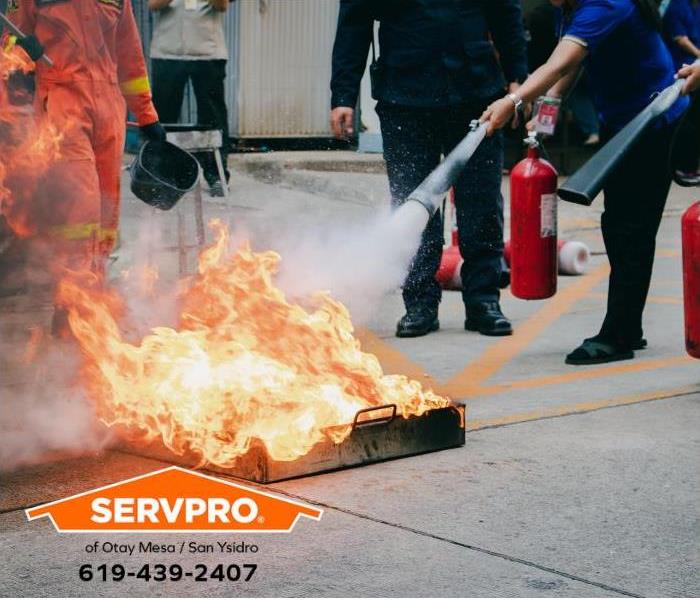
(594, 351)
(640, 344)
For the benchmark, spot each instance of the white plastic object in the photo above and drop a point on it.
(573, 258)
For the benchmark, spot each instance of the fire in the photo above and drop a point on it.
(244, 364)
(28, 146)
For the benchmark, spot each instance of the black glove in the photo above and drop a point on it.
(31, 46)
(153, 132)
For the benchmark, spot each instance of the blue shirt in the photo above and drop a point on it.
(627, 62)
(681, 19)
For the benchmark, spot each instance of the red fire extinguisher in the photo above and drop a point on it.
(533, 226)
(690, 234)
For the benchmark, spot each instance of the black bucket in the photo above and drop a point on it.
(162, 173)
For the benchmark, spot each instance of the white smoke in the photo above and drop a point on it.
(47, 416)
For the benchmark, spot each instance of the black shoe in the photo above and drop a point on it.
(687, 179)
(418, 321)
(487, 319)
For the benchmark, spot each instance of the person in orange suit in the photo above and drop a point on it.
(98, 72)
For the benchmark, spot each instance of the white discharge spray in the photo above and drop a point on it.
(362, 263)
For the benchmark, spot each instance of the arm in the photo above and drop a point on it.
(505, 22)
(684, 42)
(561, 87)
(565, 60)
(353, 37)
(158, 4)
(23, 16)
(131, 69)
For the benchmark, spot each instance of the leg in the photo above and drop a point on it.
(686, 152)
(68, 196)
(480, 222)
(108, 141)
(412, 149)
(479, 206)
(208, 81)
(169, 81)
(635, 197)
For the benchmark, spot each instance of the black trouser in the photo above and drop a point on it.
(686, 152)
(635, 196)
(169, 81)
(414, 140)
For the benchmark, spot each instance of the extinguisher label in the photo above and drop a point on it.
(548, 215)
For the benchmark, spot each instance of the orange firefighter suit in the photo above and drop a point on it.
(98, 71)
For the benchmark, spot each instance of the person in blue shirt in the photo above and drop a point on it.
(620, 43)
(681, 27)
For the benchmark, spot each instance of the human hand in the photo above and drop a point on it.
(341, 121)
(154, 132)
(497, 114)
(691, 74)
(31, 45)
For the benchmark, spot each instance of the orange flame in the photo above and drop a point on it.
(28, 147)
(244, 364)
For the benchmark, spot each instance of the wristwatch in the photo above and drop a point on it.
(516, 100)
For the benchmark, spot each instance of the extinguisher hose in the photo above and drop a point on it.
(434, 187)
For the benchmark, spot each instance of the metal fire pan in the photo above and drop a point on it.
(372, 439)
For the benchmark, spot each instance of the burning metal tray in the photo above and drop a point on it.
(372, 439)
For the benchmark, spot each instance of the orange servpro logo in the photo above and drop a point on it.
(174, 499)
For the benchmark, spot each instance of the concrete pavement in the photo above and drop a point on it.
(573, 481)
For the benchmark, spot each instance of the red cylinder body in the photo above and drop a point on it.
(533, 228)
(448, 275)
(690, 234)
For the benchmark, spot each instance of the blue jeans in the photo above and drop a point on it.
(414, 140)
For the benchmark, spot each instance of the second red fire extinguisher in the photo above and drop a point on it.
(690, 233)
(533, 226)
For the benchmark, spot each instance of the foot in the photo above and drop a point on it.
(640, 344)
(418, 321)
(592, 140)
(216, 190)
(487, 319)
(598, 350)
(687, 178)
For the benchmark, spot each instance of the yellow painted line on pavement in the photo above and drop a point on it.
(667, 252)
(581, 407)
(393, 360)
(583, 373)
(468, 381)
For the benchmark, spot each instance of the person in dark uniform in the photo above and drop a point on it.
(437, 70)
(620, 44)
